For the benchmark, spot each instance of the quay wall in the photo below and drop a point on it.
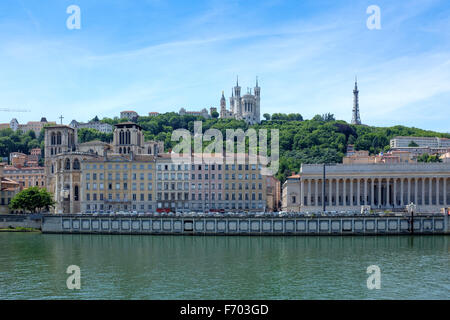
(20, 221)
(357, 225)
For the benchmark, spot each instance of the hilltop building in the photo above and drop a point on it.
(245, 108)
(430, 142)
(97, 125)
(129, 114)
(35, 126)
(202, 113)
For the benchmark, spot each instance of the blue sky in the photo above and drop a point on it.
(156, 55)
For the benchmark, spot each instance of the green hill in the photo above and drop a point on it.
(321, 139)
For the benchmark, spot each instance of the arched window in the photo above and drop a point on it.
(128, 151)
(67, 166)
(76, 165)
(53, 169)
(121, 137)
(127, 141)
(120, 150)
(53, 138)
(58, 138)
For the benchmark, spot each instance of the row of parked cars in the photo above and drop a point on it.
(182, 214)
(282, 214)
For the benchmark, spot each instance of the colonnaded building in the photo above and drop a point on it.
(380, 186)
(135, 175)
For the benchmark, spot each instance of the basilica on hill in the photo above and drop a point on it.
(246, 107)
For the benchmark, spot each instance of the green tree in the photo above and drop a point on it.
(215, 114)
(425, 157)
(413, 144)
(33, 199)
(317, 117)
(328, 117)
(266, 116)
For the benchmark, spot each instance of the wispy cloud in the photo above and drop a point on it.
(306, 64)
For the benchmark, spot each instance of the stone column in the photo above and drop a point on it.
(445, 191)
(415, 191)
(437, 191)
(302, 192)
(394, 194)
(337, 192)
(402, 182)
(388, 200)
(358, 193)
(430, 191)
(422, 201)
(344, 192)
(409, 190)
(379, 192)
(316, 192)
(365, 192)
(351, 193)
(330, 182)
(308, 201)
(372, 192)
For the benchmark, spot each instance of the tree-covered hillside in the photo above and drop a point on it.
(321, 139)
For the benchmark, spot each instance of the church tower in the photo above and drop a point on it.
(257, 91)
(223, 106)
(237, 108)
(355, 113)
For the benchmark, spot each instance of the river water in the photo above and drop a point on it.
(33, 266)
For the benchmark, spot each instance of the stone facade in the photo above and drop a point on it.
(26, 176)
(202, 113)
(8, 189)
(380, 186)
(128, 138)
(35, 126)
(118, 183)
(96, 125)
(129, 114)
